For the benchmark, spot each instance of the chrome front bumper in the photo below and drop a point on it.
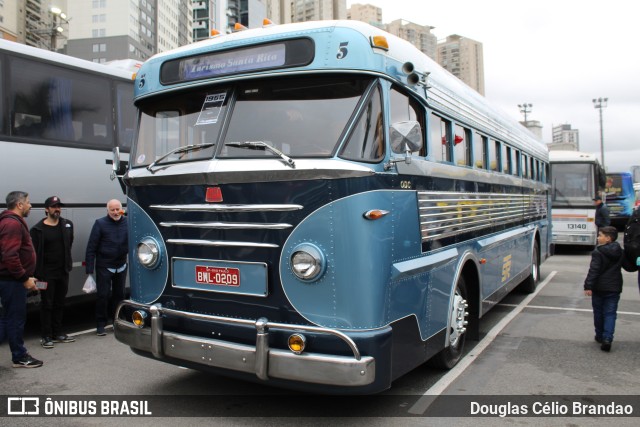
(260, 360)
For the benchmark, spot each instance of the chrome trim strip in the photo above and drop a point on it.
(227, 208)
(448, 214)
(421, 265)
(220, 243)
(228, 225)
(261, 360)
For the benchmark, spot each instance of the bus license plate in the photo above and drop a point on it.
(217, 276)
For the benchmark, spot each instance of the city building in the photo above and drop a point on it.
(312, 10)
(38, 23)
(463, 58)
(366, 13)
(565, 138)
(106, 30)
(418, 35)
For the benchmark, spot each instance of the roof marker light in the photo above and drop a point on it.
(214, 33)
(267, 22)
(239, 27)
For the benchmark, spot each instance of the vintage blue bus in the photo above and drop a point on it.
(621, 197)
(320, 206)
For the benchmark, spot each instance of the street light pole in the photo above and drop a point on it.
(525, 109)
(601, 103)
(55, 28)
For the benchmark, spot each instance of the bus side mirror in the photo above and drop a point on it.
(405, 136)
(115, 165)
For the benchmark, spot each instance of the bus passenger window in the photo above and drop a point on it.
(479, 151)
(404, 108)
(515, 162)
(505, 156)
(525, 166)
(494, 155)
(440, 135)
(461, 153)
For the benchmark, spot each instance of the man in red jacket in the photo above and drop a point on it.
(17, 265)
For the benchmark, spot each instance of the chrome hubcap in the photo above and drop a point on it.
(458, 319)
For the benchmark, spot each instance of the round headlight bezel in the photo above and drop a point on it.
(148, 253)
(308, 262)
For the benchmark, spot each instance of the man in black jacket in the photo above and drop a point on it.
(604, 285)
(603, 218)
(107, 251)
(52, 239)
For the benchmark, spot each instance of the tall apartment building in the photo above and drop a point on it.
(418, 35)
(105, 30)
(463, 58)
(32, 22)
(563, 135)
(366, 13)
(312, 10)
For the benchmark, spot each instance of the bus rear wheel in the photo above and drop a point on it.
(457, 328)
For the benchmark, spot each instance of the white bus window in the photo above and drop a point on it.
(461, 153)
(440, 135)
(52, 103)
(366, 142)
(126, 116)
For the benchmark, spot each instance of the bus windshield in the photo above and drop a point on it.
(573, 184)
(297, 117)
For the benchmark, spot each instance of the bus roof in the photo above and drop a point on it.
(66, 60)
(444, 92)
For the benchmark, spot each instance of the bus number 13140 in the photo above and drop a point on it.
(577, 226)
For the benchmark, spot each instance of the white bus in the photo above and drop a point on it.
(576, 178)
(60, 120)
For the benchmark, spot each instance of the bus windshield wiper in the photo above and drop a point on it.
(180, 150)
(261, 145)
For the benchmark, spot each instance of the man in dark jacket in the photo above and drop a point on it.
(52, 239)
(603, 218)
(107, 251)
(604, 285)
(17, 265)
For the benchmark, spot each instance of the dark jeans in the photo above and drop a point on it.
(110, 291)
(52, 306)
(14, 302)
(605, 306)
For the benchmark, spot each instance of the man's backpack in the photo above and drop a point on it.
(632, 241)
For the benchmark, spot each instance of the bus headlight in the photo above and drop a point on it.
(308, 262)
(148, 252)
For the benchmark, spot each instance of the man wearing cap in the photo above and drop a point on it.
(602, 213)
(52, 239)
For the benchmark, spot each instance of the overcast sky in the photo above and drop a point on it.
(555, 54)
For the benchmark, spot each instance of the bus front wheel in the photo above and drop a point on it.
(457, 328)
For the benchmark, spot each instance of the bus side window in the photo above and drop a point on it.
(461, 146)
(404, 108)
(505, 157)
(515, 162)
(366, 142)
(494, 155)
(479, 151)
(440, 137)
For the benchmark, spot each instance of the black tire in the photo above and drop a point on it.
(451, 355)
(530, 283)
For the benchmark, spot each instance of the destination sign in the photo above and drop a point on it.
(288, 53)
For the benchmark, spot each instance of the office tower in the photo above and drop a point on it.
(463, 58)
